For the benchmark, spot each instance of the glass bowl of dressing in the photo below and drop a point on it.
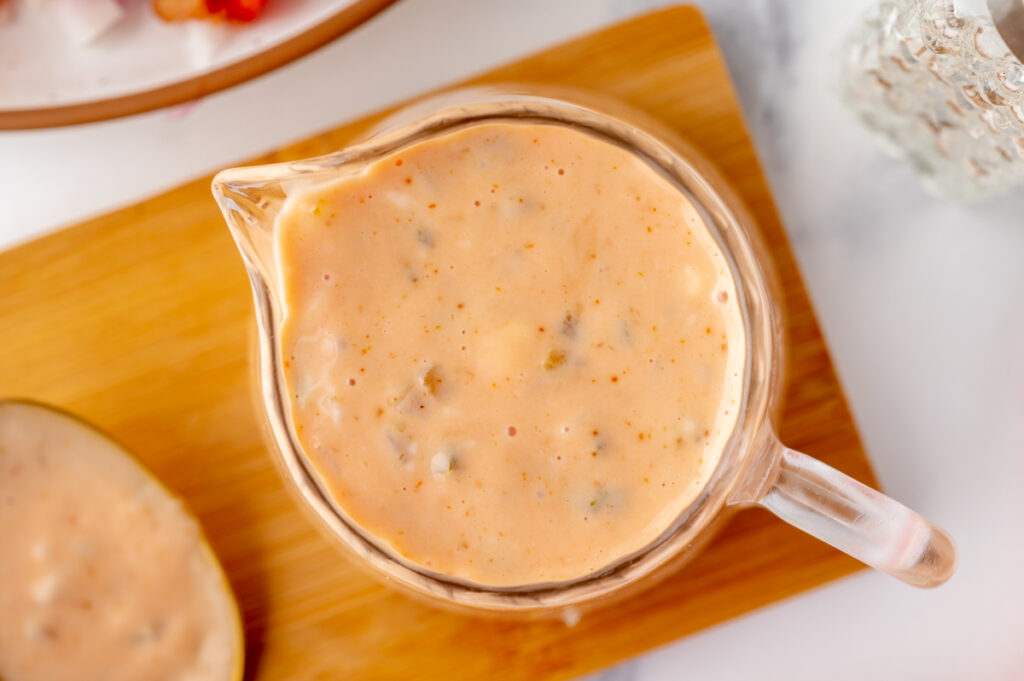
(519, 352)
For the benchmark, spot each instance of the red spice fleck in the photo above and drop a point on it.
(540, 329)
(398, 162)
(408, 180)
(512, 431)
(327, 277)
(476, 203)
(433, 205)
(615, 379)
(561, 171)
(351, 381)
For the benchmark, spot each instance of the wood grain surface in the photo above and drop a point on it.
(140, 321)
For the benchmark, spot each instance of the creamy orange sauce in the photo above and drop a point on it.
(513, 352)
(103, 576)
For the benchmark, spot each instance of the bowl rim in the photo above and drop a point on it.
(338, 24)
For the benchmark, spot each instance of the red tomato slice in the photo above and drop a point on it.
(236, 10)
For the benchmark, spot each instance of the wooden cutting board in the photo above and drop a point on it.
(140, 321)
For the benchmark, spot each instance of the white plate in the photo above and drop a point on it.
(144, 62)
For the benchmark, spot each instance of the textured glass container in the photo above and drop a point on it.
(937, 80)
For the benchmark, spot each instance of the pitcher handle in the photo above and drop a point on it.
(859, 521)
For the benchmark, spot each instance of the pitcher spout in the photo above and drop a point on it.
(250, 202)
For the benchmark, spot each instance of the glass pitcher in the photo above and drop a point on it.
(754, 468)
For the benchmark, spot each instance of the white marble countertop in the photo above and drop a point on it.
(921, 300)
